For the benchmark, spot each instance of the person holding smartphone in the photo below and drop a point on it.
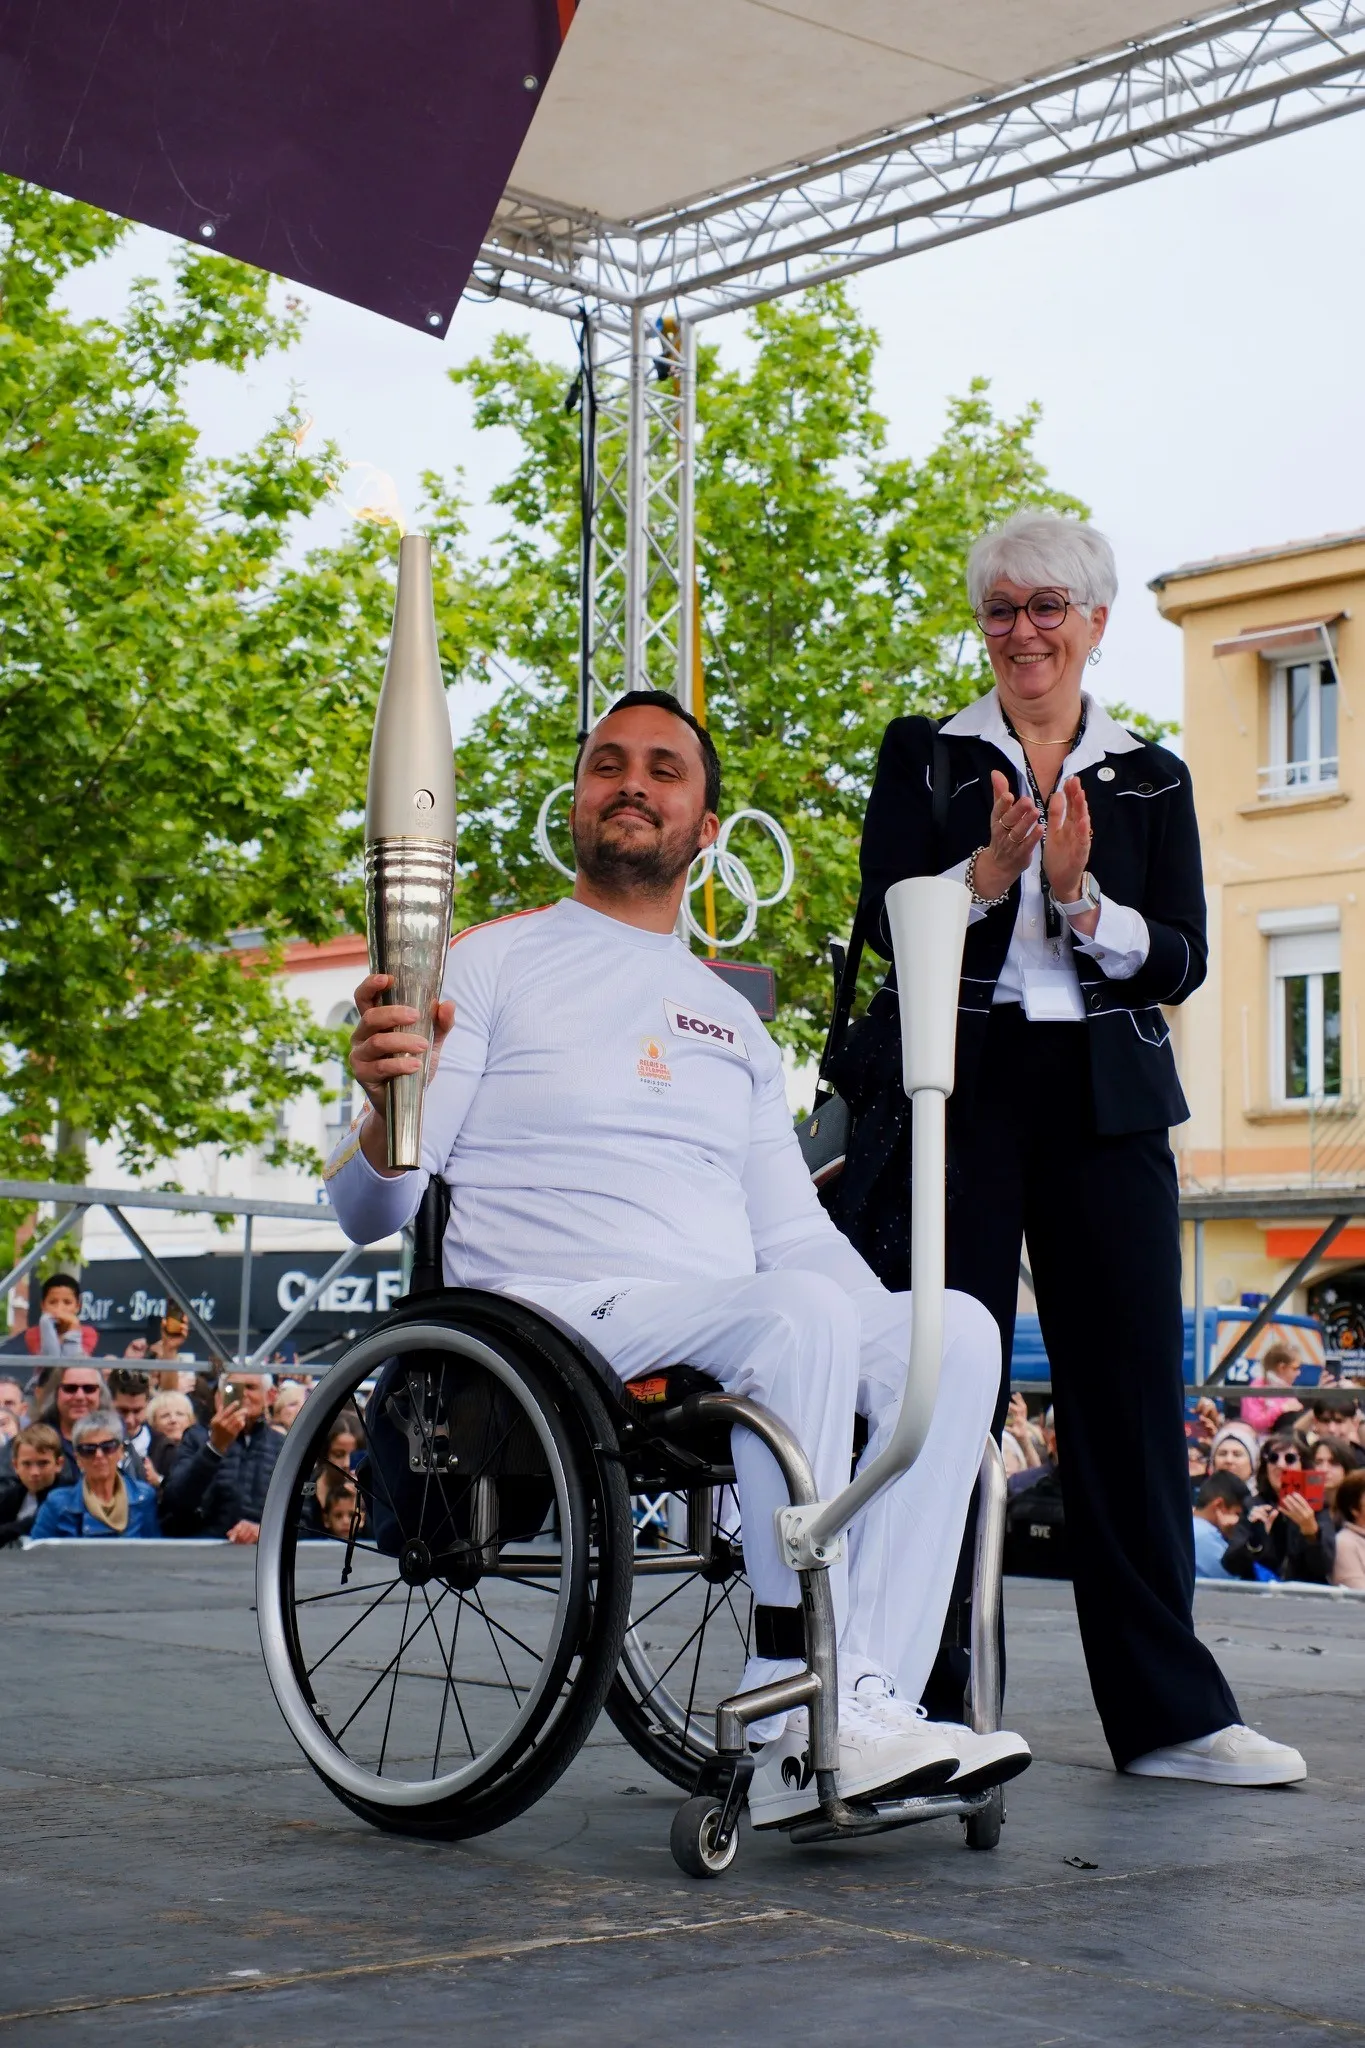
(219, 1489)
(1287, 1530)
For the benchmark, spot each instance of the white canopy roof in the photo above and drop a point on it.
(708, 153)
(657, 102)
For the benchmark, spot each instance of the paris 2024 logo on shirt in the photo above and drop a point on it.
(652, 1068)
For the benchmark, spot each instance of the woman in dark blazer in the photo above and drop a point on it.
(1079, 845)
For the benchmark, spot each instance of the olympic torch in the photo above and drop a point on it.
(410, 831)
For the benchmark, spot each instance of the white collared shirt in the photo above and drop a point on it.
(1121, 940)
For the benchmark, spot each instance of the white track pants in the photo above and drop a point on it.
(816, 1355)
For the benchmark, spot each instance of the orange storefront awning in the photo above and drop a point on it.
(1296, 1243)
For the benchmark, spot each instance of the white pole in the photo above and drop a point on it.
(927, 919)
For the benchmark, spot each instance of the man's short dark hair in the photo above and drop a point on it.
(1224, 1486)
(127, 1381)
(664, 700)
(61, 1280)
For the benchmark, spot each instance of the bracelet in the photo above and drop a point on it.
(981, 902)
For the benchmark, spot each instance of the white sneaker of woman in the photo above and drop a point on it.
(1235, 1755)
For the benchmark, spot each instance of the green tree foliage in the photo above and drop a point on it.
(832, 595)
(185, 706)
(184, 717)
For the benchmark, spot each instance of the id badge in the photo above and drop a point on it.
(1051, 996)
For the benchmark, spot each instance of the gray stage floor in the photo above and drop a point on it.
(170, 1870)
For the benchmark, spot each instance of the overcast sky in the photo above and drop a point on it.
(1194, 343)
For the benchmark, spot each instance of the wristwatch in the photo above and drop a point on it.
(1089, 898)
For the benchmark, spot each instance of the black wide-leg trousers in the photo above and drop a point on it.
(1100, 1219)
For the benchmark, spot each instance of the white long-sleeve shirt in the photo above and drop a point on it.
(1121, 940)
(604, 1107)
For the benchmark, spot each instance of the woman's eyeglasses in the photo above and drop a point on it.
(1282, 1458)
(82, 1387)
(104, 1449)
(1046, 608)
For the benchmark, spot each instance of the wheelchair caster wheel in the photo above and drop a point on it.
(983, 1828)
(692, 1839)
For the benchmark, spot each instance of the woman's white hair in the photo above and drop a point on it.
(168, 1403)
(104, 1423)
(1048, 551)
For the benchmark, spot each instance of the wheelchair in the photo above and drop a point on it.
(525, 1542)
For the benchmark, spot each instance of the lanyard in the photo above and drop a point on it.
(1052, 917)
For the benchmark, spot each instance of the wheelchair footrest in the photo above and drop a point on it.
(865, 1817)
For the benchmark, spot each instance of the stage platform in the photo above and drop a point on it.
(172, 1871)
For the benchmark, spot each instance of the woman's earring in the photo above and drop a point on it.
(1093, 657)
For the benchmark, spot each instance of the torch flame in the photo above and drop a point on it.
(371, 495)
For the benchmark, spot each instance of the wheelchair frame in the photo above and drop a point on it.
(572, 1402)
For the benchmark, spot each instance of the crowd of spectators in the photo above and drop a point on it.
(145, 1447)
(1277, 1477)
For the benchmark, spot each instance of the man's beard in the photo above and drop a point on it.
(636, 866)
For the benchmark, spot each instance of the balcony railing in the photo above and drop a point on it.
(1336, 1138)
(1296, 778)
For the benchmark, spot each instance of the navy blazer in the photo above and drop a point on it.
(1145, 854)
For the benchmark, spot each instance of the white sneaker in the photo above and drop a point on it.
(982, 1759)
(873, 1762)
(1231, 1756)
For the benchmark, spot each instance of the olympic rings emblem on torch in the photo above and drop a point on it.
(717, 863)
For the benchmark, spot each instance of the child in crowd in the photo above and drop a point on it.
(1280, 1367)
(36, 1468)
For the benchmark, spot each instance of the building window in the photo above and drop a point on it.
(1305, 983)
(345, 1106)
(1303, 727)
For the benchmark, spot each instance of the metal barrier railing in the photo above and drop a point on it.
(71, 1201)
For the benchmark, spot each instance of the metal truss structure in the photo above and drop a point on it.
(1215, 84)
(639, 401)
(1212, 86)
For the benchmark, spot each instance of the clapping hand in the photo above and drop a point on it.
(1067, 847)
(1016, 828)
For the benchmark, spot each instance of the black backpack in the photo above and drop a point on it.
(1035, 1532)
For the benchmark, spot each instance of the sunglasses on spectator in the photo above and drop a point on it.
(1283, 1458)
(82, 1387)
(105, 1448)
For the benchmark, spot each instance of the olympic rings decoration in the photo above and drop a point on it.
(716, 864)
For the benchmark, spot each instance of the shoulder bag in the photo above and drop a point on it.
(856, 1140)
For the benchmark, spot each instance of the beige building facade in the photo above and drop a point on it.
(1270, 1047)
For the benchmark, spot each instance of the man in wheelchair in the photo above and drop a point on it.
(612, 1123)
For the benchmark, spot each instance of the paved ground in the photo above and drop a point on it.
(170, 1870)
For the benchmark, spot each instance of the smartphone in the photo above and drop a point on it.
(229, 1390)
(1312, 1485)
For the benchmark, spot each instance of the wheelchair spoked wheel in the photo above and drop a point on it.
(440, 1629)
(690, 1632)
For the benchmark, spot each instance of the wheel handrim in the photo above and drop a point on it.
(291, 1663)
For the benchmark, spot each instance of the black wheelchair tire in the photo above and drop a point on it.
(577, 1419)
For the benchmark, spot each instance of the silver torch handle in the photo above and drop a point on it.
(409, 901)
(410, 831)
